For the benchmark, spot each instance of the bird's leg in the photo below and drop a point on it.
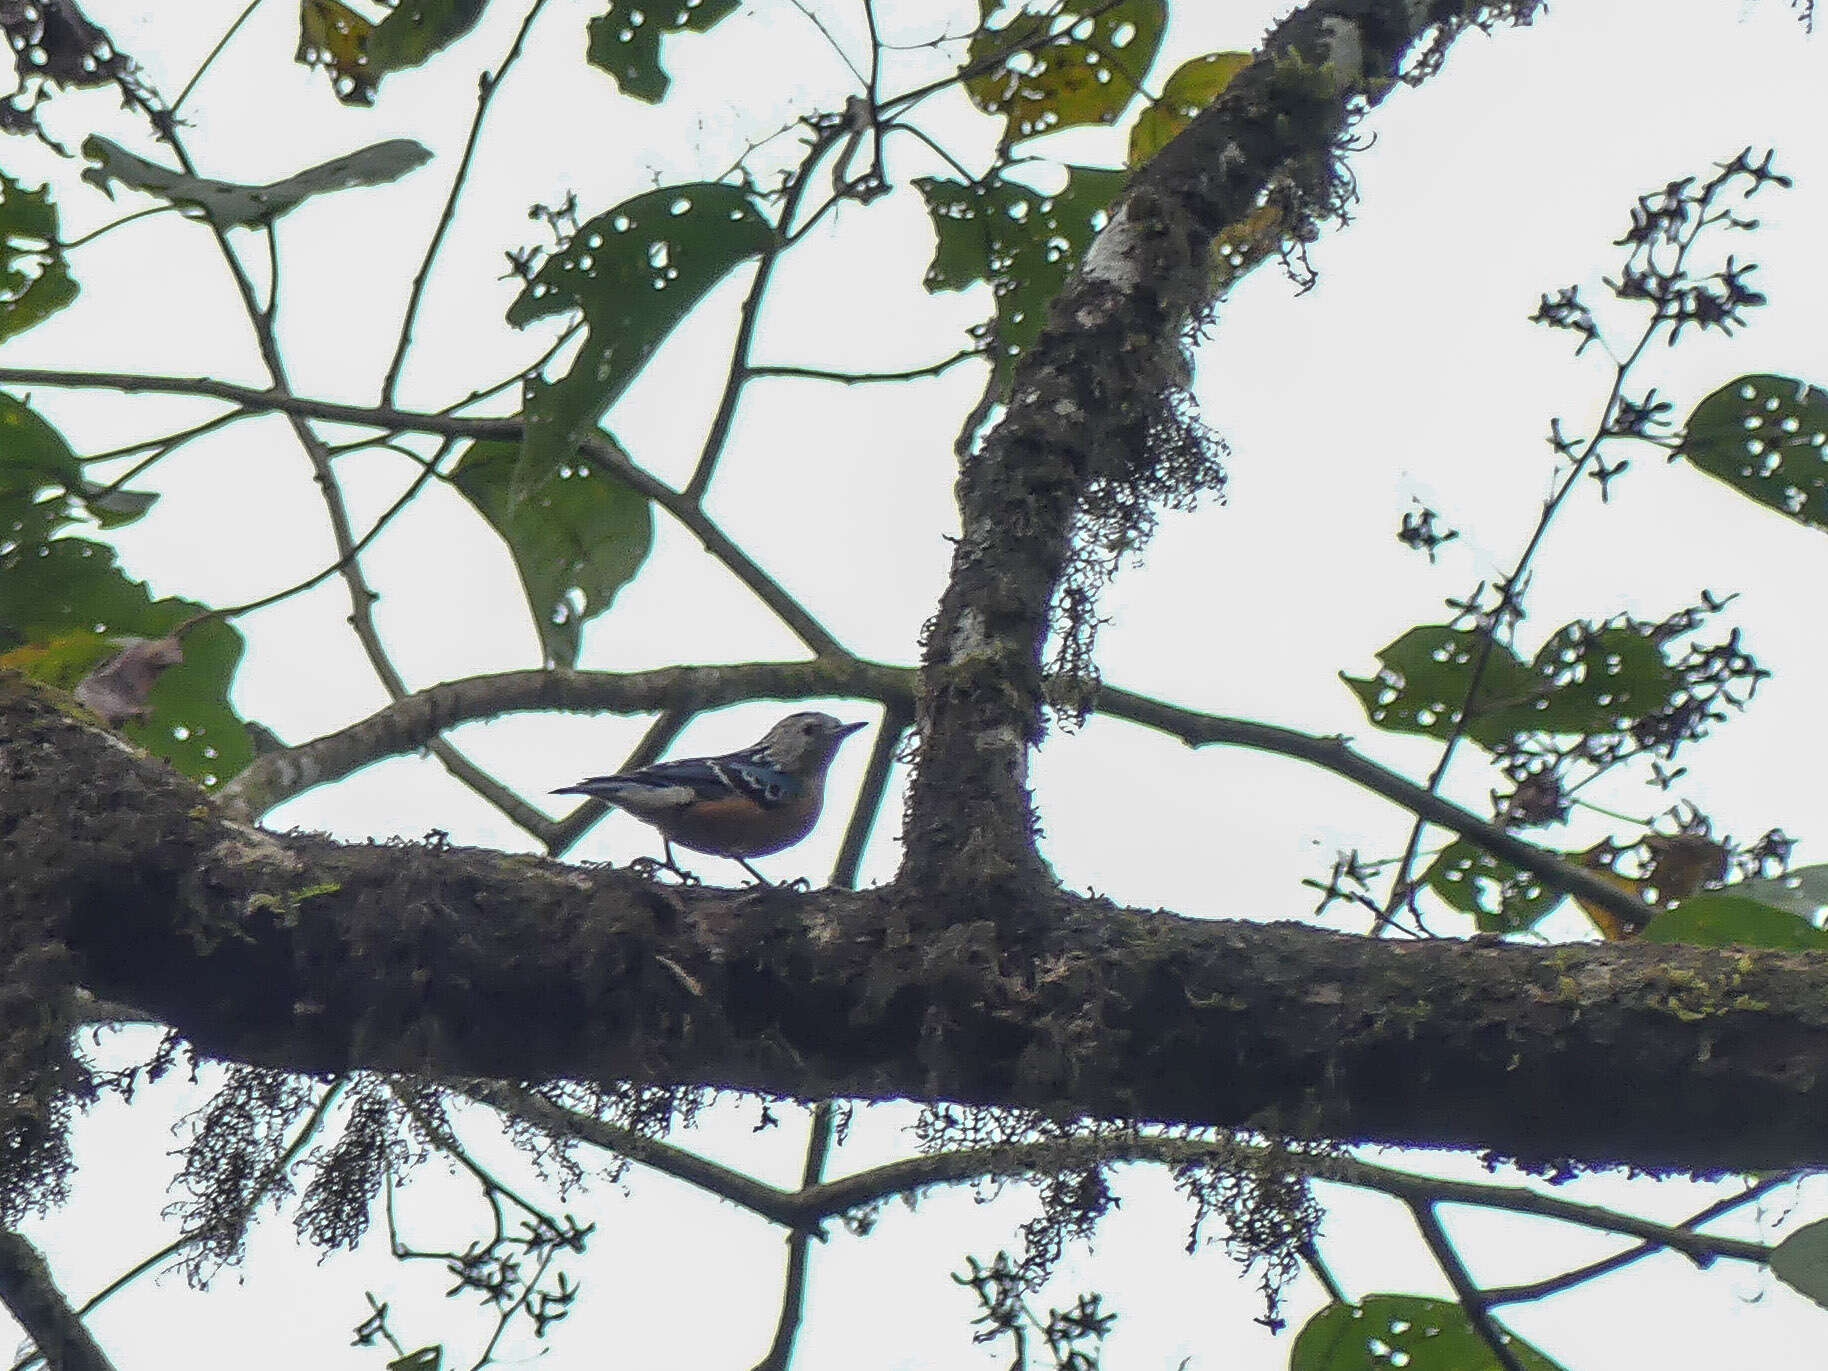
(685, 877)
(647, 866)
(760, 879)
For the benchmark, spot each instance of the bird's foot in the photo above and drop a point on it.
(650, 867)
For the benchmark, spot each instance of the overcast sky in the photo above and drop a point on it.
(1408, 373)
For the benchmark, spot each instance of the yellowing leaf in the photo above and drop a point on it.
(334, 36)
(1611, 927)
(1193, 86)
(1053, 72)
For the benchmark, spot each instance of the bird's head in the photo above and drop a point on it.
(804, 743)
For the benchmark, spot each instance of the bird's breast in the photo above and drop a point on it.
(738, 827)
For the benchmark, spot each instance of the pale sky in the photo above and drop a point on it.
(1409, 372)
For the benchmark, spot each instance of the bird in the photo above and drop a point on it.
(743, 804)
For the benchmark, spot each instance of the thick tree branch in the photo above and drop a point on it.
(32, 1297)
(408, 724)
(304, 954)
(1097, 429)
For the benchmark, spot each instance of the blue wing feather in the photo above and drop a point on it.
(708, 778)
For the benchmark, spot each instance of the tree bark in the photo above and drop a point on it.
(299, 952)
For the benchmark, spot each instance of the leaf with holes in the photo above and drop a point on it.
(35, 280)
(35, 459)
(1597, 680)
(63, 607)
(1503, 898)
(1411, 1331)
(335, 37)
(1193, 86)
(1723, 919)
(1081, 66)
(625, 41)
(1422, 682)
(635, 272)
(1767, 437)
(415, 30)
(1585, 680)
(577, 538)
(230, 203)
(1020, 241)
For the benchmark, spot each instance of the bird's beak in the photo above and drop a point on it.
(845, 730)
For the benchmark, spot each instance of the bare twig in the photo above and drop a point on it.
(719, 432)
(1477, 1314)
(799, 1241)
(487, 84)
(210, 58)
(853, 378)
(1567, 1280)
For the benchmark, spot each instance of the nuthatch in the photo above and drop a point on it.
(740, 805)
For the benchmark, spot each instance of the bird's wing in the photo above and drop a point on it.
(747, 775)
(675, 785)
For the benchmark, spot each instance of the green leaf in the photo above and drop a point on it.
(1413, 1332)
(1719, 919)
(34, 458)
(625, 39)
(1800, 1261)
(1055, 72)
(415, 30)
(635, 272)
(33, 455)
(1801, 891)
(60, 604)
(1598, 680)
(35, 279)
(1585, 680)
(1503, 898)
(1023, 243)
(1422, 683)
(1765, 436)
(229, 203)
(578, 536)
(425, 1359)
(1194, 85)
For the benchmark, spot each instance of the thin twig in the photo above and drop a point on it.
(1567, 1280)
(111, 225)
(213, 54)
(799, 1242)
(1471, 1300)
(280, 400)
(719, 432)
(487, 85)
(1511, 591)
(1310, 1256)
(426, 472)
(853, 378)
(859, 1190)
(895, 723)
